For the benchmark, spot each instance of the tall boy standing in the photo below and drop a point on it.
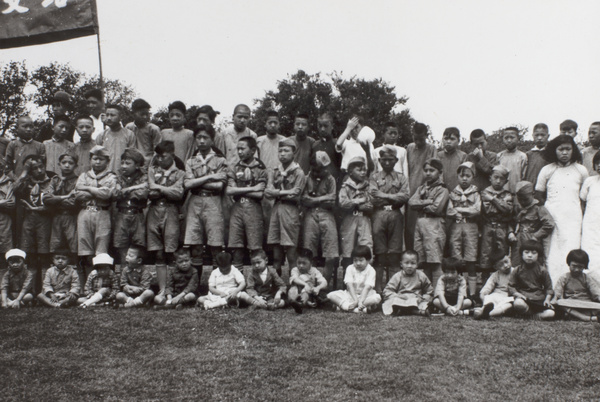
(451, 157)
(511, 158)
(304, 143)
(115, 138)
(483, 159)
(23, 146)
(535, 156)
(589, 152)
(227, 140)
(182, 138)
(147, 135)
(390, 137)
(84, 125)
(58, 144)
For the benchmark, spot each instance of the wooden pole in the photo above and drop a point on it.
(100, 61)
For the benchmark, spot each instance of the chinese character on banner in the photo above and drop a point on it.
(59, 3)
(13, 5)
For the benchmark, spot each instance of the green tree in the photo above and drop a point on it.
(374, 100)
(13, 101)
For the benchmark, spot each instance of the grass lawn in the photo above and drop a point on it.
(260, 355)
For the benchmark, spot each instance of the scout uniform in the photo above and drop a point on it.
(246, 220)
(36, 225)
(226, 141)
(356, 226)
(284, 227)
(93, 221)
(387, 218)
(496, 217)
(533, 222)
(184, 142)
(64, 214)
(430, 234)
(130, 227)
(450, 162)
(319, 223)
(483, 168)
(162, 225)
(204, 222)
(464, 229)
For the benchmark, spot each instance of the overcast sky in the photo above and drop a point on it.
(469, 64)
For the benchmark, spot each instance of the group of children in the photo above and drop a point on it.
(178, 197)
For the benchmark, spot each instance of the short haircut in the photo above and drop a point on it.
(251, 141)
(208, 129)
(208, 110)
(259, 254)
(550, 152)
(420, 128)
(177, 105)
(241, 106)
(69, 155)
(452, 264)
(326, 116)
(272, 113)
(541, 126)
(35, 158)
(83, 117)
(163, 147)
(223, 259)
(301, 116)
(596, 159)
(140, 104)
(139, 252)
(63, 252)
(497, 256)
(410, 252)
(477, 133)
(568, 125)
(61, 117)
(94, 93)
(596, 123)
(391, 124)
(305, 253)
(512, 128)
(134, 155)
(114, 106)
(452, 131)
(579, 256)
(532, 245)
(362, 252)
(180, 252)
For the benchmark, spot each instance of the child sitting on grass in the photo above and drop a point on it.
(577, 285)
(181, 283)
(265, 288)
(135, 281)
(360, 295)
(16, 283)
(61, 283)
(496, 301)
(409, 291)
(530, 283)
(225, 285)
(451, 290)
(102, 284)
(307, 285)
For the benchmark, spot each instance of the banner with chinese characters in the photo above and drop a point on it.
(34, 22)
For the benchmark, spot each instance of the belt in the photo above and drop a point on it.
(427, 215)
(466, 220)
(388, 207)
(288, 202)
(66, 212)
(95, 208)
(130, 211)
(358, 213)
(496, 224)
(204, 193)
(246, 200)
(161, 203)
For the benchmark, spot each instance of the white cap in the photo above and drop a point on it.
(366, 134)
(103, 259)
(15, 252)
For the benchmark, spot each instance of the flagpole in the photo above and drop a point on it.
(100, 60)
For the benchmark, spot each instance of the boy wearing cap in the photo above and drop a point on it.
(131, 194)
(102, 284)
(532, 221)
(58, 145)
(7, 208)
(61, 283)
(84, 126)
(285, 185)
(511, 158)
(246, 182)
(115, 138)
(165, 185)
(497, 203)
(355, 201)
(62, 204)
(205, 177)
(31, 188)
(182, 138)
(430, 202)
(390, 138)
(147, 135)
(389, 191)
(304, 143)
(451, 157)
(464, 207)
(23, 146)
(16, 283)
(318, 200)
(94, 191)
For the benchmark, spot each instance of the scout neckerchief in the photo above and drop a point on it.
(161, 176)
(35, 194)
(245, 175)
(284, 173)
(203, 162)
(463, 194)
(131, 180)
(360, 188)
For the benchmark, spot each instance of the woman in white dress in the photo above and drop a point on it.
(590, 235)
(559, 184)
